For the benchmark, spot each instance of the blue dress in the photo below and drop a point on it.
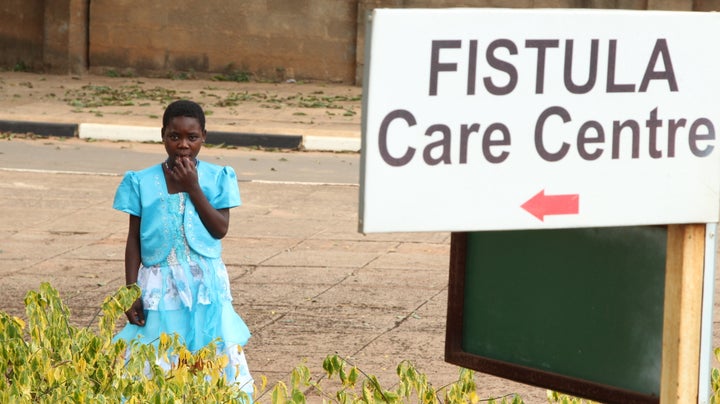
(186, 292)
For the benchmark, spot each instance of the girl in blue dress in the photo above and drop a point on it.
(179, 211)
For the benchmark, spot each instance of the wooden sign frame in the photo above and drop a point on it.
(682, 312)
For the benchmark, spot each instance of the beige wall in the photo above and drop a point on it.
(313, 38)
(271, 39)
(47, 35)
(21, 33)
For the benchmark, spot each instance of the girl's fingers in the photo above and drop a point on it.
(183, 165)
(137, 319)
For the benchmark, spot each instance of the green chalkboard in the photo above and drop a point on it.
(576, 310)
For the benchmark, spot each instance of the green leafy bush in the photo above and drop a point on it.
(356, 386)
(48, 360)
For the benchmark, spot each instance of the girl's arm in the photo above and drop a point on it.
(136, 313)
(217, 221)
(132, 251)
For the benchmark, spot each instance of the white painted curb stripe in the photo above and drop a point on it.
(321, 143)
(118, 132)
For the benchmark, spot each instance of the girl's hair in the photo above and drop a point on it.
(184, 108)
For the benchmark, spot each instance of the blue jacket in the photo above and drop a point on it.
(144, 194)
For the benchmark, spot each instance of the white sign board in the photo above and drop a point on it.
(492, 119)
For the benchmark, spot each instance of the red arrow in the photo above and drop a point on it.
(542, 205)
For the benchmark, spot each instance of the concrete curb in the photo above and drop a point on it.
(118, 132)
(152, 134)
(40, 128)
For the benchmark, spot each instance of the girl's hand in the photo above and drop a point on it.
(184, 174)
(183, 177)
(136, 313)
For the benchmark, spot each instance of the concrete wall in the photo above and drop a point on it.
(271, 39)
(21, 33)
(44, 35)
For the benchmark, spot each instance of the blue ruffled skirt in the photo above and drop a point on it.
(189, 295)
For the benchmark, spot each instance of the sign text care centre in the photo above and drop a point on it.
(490, 119)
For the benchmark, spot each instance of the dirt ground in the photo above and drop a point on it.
(294, 108)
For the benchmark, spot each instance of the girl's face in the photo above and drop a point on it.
(183, 138)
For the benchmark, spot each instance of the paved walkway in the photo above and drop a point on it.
(306, 282)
